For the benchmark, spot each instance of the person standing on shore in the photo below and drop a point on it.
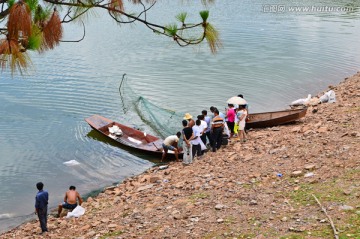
(189, 118)
(230, 115)
(203, 127)
(71, 199)
(41, 205)
(242, 115)
(196, 146)
(188, 135)
(217, 127)
(208, 129)
(246, 106)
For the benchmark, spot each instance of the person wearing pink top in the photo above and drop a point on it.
(230, 115)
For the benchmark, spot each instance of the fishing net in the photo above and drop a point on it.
(163, 122)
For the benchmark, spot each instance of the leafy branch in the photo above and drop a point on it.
(36, 25)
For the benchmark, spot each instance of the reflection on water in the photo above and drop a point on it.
(271, 58)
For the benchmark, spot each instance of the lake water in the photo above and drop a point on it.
(272, 55)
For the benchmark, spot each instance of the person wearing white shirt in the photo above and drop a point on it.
(208, 129)
(196, 147)
(203, 127)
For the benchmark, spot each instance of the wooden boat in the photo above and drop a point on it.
(129, 137)
(270, 119)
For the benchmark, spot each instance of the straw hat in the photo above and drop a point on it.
(188, 116)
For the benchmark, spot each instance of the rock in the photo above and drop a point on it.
(296, 173)
(91, 234)
(296, 129)
(260, 237)
(284, 219)
(219, 206)
(85, 228)
(309, 132)
(105, 220)
(293, 229)
(176, 214)
(308, 175)
(346, 208)
(322, 129)
(145, 187)
(112, 226)
(347, 191)
(220, 220)
(253, 202)
(309, 166)
(155, 179)
(111, 188)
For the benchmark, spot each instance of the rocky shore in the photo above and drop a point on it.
(264, 188)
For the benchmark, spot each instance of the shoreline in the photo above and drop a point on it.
(236, 192)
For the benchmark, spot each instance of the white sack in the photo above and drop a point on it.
(77, 212)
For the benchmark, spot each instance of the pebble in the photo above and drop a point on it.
(296, 173)
(253, 202)
(308, 175)
(346, 208)
(219, 206)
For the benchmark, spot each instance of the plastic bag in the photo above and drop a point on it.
(226, 130)
(203, 146)
(301, 101)
(332, 97)
(77, 212)
(328, 97)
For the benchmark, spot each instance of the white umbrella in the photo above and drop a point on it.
(236, 101)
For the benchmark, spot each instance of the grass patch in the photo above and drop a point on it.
(111, 234)
(351, 228)
(325, 192)
(125, 214)
(193, 198)
(293, 236)
(353, 109)
(229, 220)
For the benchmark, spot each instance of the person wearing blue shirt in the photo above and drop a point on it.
(41, 205)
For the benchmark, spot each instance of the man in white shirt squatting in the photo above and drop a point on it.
(171, 143)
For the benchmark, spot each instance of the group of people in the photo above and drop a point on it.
(207, 130)
(71, 200)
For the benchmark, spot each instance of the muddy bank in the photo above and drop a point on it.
(263, 188)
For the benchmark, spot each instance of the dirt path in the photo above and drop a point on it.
(259, 189)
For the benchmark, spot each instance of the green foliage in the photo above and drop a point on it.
(41, 14)
(171, 29)
(212, 37)
(32, 4)
(84, 13)
(204, 15)
(181, 17)
(10, 3)
(205, 2)
(34, 41)
(111, 234)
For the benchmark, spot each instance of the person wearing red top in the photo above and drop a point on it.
(230, 115)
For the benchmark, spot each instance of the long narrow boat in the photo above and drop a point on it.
(270, 119)
(129, 137)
